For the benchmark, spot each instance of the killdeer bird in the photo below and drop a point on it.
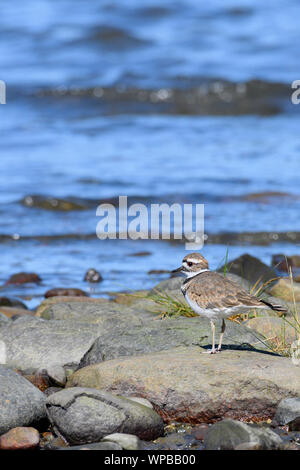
(213, 296)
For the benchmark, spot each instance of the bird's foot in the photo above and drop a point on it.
(211, 351)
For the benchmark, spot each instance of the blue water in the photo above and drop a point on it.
(185, 101)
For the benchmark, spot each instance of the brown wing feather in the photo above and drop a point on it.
(212, 290)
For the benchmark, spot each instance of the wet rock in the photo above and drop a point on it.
(286, 290)
(92, 275)
(228, 434)
(61, 292)
(233, 384)
(287, 411)
(21, 404)
(251, 269)
(84, 415)
(55, 374)
(11, 302)
(199, 432)
(67, 299)
(20, 439)
(53, 203)
(13, 312)
(126, 441)
(141, 253)
(266, 196)
(173, 441)
(24, 278)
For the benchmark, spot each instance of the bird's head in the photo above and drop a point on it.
(192, 264)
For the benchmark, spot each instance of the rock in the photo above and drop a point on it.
(92, 275)
(287, 411)
(54, 203)
(67, 299)
(126, 441)
(95, 446)
(283, 262)
(84, 415)
(158, 271)
(4, 320)
(106, 314)
(185, 385)
(286, 290)
(11, 302)
(126, 298)
(39, 380)
(251, 269)
(61, 292)
(228, 434)
(21, 404)
(295, 424)
(248, 446)
(24, 278)
(141, 253)
(172, 441)
(33, 343)
(199, 432)
(169, 285)
(157, 335)
(66, 333)
(13, 312)
(55, 373)
(50, 390)
(142, 401)
(20, 439)
(273, 328)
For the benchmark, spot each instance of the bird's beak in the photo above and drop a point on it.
(178, 270)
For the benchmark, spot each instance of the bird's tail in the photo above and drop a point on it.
(276, 307)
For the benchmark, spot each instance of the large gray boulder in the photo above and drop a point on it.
(160, 335)
(85, 415)
(228, 434)
(21, 404)
(66, 332)
(188, 386)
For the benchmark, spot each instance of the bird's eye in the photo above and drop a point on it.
(190, 264)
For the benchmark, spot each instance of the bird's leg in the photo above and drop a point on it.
(213, 350)
(221, 335)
